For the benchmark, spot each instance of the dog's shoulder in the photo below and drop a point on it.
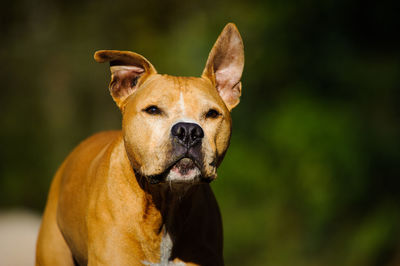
(99, 140)
(94, 145)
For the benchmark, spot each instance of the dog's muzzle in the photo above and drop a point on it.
(186, 150)
(186, 142)
(186, 158)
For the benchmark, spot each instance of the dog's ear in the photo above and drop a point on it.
(128, 71)
(225, 63)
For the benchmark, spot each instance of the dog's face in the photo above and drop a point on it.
(177, 129)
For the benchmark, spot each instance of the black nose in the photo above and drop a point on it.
(188, 134)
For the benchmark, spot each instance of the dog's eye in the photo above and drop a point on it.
(153, 110)
(212, 113)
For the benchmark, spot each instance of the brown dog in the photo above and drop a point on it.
(141, 196)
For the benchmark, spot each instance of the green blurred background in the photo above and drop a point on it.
(312, 174)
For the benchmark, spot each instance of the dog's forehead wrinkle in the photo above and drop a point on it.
(189, 95)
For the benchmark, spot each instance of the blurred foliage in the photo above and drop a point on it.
(312, 174)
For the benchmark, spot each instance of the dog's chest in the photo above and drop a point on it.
(166, 246)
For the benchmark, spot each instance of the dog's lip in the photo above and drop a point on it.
(184, 165)
(182, 159)
(184, 162)
(159, 178)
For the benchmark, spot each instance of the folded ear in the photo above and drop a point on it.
(225, 63)
(128, 71)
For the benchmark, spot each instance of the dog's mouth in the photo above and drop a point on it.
(184, 170)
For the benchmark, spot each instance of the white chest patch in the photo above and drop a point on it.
(165, 248)
(165, 253)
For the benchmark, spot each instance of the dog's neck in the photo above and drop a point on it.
(171, 200)
(166, 207)
(174, 205)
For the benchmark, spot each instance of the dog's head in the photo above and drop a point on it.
(177, 129)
